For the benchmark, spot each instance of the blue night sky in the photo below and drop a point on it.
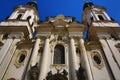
(66, 7)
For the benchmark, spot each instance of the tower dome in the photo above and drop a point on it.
(33, 4)
(88, 4)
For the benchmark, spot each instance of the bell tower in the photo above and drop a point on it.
(96, 13)
(26, 12)
(96, 16)
(16, 34)
(23, 15)
(102, 39)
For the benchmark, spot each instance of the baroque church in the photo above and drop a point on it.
(62, 48)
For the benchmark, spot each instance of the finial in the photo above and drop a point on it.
(85, 1)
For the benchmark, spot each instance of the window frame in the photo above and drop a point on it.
(63, 55)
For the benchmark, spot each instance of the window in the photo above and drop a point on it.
(29, 17)
(21, 58)
(19, 16)
(97, 59)
(100, 17)
(59, 54)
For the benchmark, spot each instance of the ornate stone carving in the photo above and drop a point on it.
(57, 76)
(34, 73)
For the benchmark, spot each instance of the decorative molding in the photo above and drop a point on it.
(25, 44)
(18, 61)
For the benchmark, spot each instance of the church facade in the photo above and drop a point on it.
(59, 48)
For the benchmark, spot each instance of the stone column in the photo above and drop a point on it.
(84, 54)
(5, 49)
(44, 63)
(106, 15)
(94, 15)
(35, 52)
(73, 60)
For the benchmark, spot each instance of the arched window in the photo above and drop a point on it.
(29, 17)
(59, 54)
(100, 17)
(19, 16)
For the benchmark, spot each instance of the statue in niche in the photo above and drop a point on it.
(49, 75)
(34, 73)
(65, 73)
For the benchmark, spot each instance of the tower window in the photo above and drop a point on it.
(100, 17)
(29, 17)
(59, 54)
(19, 16)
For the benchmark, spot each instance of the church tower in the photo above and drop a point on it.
(102, 42)
(16, 45)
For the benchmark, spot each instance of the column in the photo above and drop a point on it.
(84, 54)
(7, 59)
(44, 63)
(115, 70)
(35, 52)
(106, 15)
(94, 15)
(4, 49)
(73, 60)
